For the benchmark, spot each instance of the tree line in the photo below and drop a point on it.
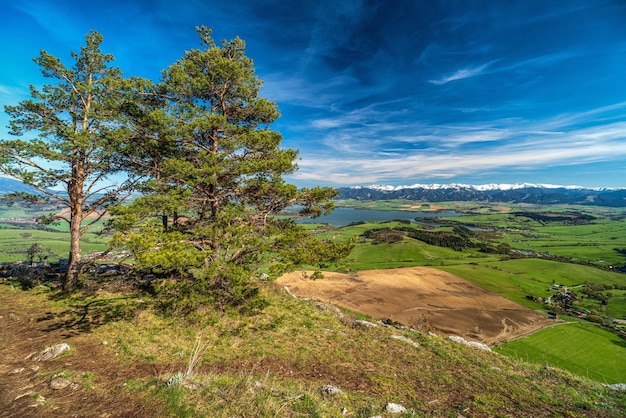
(459, 239)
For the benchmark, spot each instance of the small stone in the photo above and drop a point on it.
(16, 370)
(330, 390)
(394, 408)
(59, 383)
(255, 386)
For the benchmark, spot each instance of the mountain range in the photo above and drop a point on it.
(544, 194)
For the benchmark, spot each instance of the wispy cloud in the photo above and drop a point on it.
(10, 95)
(491, 89)
(461, 74)
(355, 158)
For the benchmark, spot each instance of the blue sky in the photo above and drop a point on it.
(392, 92)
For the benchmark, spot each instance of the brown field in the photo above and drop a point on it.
(425, 298)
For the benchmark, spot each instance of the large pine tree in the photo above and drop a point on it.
(66, 130)
(207, 217)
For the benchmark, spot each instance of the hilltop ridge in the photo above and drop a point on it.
(505, 193)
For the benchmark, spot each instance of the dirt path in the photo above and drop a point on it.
(97, 388)
(423, 297)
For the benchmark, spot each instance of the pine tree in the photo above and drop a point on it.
(207, 219)
(75, 118)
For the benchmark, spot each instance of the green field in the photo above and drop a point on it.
(18, 233)
(552, 254)
(581, 348)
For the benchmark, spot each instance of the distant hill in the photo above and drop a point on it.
(8, 185)
(505, 193)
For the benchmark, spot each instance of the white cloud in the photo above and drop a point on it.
(352, 161)
(462, 74)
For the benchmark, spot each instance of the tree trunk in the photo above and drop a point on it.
(73, 267)
(75, 192)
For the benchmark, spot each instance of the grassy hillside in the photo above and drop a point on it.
(274, 363)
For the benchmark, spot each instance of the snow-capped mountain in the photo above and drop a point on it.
(481, 187)
(510, 193)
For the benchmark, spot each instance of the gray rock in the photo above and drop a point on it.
(321, 306)
(330, 390)
(474, 344)
(51, 352)
(364, 324)
(394, 408)
(458, 339)
(618, 386)
(59, 383)
(405, 339)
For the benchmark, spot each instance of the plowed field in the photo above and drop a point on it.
(425, 298)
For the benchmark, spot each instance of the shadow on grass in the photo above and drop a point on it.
(84, 313)
(620, 343)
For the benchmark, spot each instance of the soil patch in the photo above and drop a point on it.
(424, 298)
(97, 379)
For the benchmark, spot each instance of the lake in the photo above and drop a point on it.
(345, 216)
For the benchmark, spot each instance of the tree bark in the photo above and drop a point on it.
(76, 199)
(73, 267)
